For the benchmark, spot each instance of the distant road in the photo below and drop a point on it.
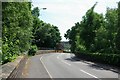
(63, 65)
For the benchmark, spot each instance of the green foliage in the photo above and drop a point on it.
(112, 59)
(97, 33)
(71, 35)
(32, 50)
(16, 29)
(21, 27)
(47, 36)
(117, 41)
(0, 51)
(35, 12)
(111, 29)
(44, 34)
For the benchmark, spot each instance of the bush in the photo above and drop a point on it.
(9, 53)
(0, 55)
(112, 59)
(32, 50)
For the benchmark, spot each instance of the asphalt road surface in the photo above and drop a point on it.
(64, 65)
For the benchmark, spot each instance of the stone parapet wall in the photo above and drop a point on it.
(13, 69)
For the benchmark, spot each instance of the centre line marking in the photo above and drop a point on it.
(90, 74)
(57, 57)
(66, 63)
(45, 67)
(62, 60)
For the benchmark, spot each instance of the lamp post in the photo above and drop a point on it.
(42, 8)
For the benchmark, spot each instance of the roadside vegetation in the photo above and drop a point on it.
(97, 36)
(0, 51)
(44, 34)
(22, 31)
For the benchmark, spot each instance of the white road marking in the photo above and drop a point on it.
(23, 74)
(66, 63)
(45, 67)
(57, 57)
(62, 60)
(90, 74)
(41, 58)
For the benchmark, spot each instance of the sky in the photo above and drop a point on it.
(65, 13)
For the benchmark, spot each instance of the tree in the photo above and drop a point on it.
(35, 12)
(44, 34)
(47, 36)
(71, 35)
(111, 28)
(117, 42)
(17, 29)
(97, 36)
(67, 34)
(88, 32)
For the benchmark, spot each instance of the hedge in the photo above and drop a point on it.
(112, 59)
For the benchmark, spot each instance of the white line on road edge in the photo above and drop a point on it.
(45, 67)
(41, 58)
(90, 74)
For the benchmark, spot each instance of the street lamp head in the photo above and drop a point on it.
(44, 8)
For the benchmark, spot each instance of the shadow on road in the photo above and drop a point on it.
(73, 59)
(95, 65)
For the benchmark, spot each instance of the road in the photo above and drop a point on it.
(64, 65)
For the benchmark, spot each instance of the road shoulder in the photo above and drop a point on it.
(34, 68)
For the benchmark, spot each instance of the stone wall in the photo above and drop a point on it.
(13, 69)
(44, 51)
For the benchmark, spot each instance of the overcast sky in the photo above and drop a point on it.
(65, 13)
